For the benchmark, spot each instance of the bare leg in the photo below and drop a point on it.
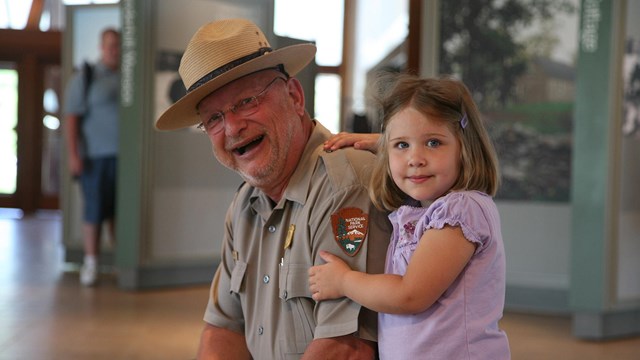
(111, 227)
(91, 238)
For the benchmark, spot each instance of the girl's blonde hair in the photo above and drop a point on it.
(444, 99)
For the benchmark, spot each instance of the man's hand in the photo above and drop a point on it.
(75, 165)
(367, 142)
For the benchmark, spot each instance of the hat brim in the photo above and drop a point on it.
(183, 113)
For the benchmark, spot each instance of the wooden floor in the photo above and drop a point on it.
(45, 314)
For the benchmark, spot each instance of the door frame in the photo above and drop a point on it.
(32, 51)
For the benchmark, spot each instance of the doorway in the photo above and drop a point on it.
(30, 133)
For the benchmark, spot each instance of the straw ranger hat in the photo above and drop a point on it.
(223, 51)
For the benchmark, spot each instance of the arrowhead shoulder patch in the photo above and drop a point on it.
(350, 227)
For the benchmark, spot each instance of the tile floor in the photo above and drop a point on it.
(45, 314)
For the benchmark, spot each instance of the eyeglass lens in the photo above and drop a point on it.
(245, 107)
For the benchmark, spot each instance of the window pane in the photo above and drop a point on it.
(381, 29)
(327, 101)
(319, 21)
(522, 77)
(8, 122)
(15, 15)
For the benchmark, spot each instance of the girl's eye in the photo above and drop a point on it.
(402, 145)
(433, 143)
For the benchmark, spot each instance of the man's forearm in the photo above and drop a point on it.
(342, 347)
(219, 343)
(71, 130)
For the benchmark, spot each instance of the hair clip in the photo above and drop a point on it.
(464, 121)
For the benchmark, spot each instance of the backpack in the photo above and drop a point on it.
(87, 79)
(87, 74)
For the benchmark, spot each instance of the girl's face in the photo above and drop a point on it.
(424, 155)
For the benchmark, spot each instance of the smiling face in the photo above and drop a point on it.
(264, 147)
(424, 155)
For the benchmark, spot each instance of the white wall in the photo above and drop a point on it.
(191, 190)
(88, 23)
(537, 238)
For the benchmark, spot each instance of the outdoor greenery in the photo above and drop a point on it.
(490, 45)
(480, 43)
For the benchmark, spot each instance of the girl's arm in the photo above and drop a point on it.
(358, 141)
(439, 258)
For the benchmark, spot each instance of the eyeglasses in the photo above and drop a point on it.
(244, 107)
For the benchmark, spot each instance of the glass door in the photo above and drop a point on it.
(29, 119)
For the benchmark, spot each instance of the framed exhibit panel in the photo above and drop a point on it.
(628, 249)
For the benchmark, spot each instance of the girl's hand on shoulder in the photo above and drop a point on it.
(325, 281)
(367, 142)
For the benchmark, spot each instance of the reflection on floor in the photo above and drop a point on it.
(45, 314)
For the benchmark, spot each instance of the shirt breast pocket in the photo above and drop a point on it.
(294, 281)
(294, 290)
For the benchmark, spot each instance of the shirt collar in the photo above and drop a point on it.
(300, 182)
(298, 187)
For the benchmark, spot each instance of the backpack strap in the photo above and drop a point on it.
(87, 78)
(87, 72)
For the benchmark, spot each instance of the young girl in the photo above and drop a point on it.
(442, 293)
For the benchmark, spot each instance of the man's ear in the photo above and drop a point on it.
(297, 95)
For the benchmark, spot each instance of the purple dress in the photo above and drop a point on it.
(463, 322)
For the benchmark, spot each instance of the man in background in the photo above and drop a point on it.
(91, 110)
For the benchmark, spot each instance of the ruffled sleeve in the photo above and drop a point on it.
(467, 209)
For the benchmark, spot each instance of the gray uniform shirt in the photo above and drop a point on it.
(261, 286)
(100, 111)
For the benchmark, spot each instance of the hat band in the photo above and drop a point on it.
(226, 67)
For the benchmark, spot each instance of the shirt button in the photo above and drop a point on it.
(260, 330)
(285, 294)
(265, 279)
(272, 229)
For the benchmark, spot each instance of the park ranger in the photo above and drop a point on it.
(296, 200)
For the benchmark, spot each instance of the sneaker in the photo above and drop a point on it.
(89, 274)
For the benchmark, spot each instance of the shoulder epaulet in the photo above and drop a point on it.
(346, 165)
